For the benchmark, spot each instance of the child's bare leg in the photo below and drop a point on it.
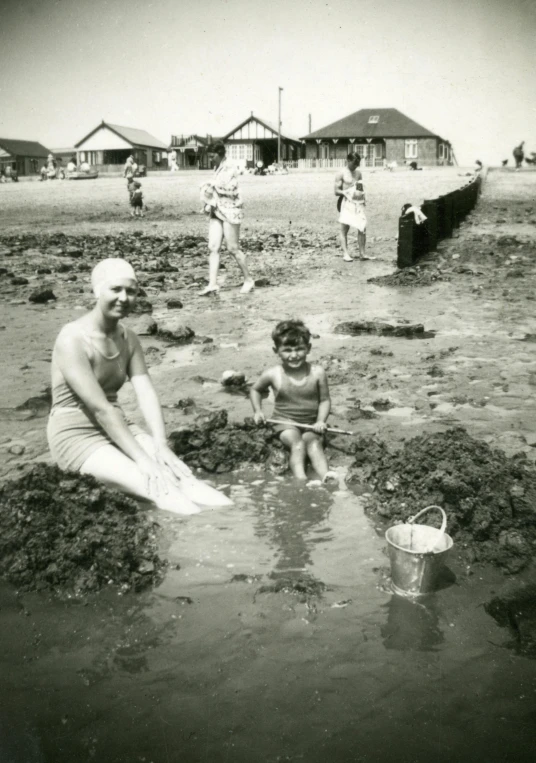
(293, 440)
(344, 242)
(232, 239)
(215, 238)
(315, 451)
(361, 242)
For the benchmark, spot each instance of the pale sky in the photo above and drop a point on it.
(464, 69)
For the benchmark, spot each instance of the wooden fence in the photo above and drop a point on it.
(443, 215)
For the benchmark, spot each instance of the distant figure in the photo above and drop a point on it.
(504, 162)
(479, 165)
(43, 173)
(2, 175)
(351, 211)
(413, 166)
(519, 155)
(136, 199)
(173, 165)
(223, 205)
(532, 159)
(84, 167)
(51, 167)
(129, 170)
(71, 165)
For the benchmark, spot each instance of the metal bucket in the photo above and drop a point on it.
(417, 553)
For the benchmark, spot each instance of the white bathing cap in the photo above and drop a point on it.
(109, 270)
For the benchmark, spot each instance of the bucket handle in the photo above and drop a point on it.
(441, 529)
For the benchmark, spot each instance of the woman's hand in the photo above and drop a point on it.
(154, 477)
(320, 427)
(166, 459)
(259, 417)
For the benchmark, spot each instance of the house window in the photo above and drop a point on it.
(411, 149)
(373, 120)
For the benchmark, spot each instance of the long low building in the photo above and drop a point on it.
(25, 156)
(108, 146)
(379, 136)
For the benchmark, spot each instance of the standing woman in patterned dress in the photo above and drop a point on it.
(223, 204)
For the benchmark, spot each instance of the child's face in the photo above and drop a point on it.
(293, 354)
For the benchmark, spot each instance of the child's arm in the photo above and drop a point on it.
(264, 382)
(324, 404)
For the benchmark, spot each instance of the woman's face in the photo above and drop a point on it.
(216, 159)
(118, 297)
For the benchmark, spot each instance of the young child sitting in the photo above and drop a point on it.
(301, 397)
(136, 200)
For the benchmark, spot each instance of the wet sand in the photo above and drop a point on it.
(207, 668)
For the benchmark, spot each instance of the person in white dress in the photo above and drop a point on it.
(351, 203)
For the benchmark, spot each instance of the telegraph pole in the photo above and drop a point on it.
(310, 124)
(279, 129)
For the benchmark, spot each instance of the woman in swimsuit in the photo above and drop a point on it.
(87, 430)
(223, 204)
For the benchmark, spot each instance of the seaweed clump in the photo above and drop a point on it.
(215, 445)
(65, 532)
(489, 498)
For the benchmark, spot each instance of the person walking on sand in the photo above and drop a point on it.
(87, 430)
(223, 205)
(301, 396)
(519, 155)
(350, 214)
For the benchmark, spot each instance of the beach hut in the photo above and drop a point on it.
(25, 156)
(108, 146)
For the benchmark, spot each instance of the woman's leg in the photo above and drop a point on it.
(292, 440)
(111, 467)
(361, 242)
(344, 243)
(215, 237)
(232, 235)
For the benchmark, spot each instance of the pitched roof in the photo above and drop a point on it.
(264, 123)
(391, 123)
(131, 134)
(23, 147)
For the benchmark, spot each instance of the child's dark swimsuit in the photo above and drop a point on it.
(296, 401)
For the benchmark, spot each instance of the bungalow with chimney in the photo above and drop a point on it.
(379, 136)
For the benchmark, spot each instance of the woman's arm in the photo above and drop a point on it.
(74, 364)
(151, 408)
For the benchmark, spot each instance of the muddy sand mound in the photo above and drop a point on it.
(216, 445)
(489, 498)
(65, 532)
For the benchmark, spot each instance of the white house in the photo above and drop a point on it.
(109, 145)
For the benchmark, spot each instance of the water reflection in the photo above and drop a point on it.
(412, 625)
(293, 519)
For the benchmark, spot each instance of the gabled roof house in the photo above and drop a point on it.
(256, 139)
(111, 144)
(378, 136)
(25, 156)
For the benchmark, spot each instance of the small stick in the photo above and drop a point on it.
(307, 426)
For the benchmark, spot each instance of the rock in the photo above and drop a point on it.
(17, 448)
(174, 330)
(74, 251)
(43, 271)
(408, 331)
(42, 294)
(64, 267)
(174, 304)
(262, 282)
(530, 439)
(143, 325)
(19, 281)
(142, 306)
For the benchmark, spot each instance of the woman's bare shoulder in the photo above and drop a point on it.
(72, 331)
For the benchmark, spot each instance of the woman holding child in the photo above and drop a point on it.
(87, 429)
(223, 204)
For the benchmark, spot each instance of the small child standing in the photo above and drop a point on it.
(136, 199)
(301, 397)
